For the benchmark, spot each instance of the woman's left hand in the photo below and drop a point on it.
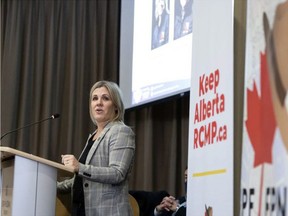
(70, 161)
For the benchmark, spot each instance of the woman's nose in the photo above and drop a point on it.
(99, 101)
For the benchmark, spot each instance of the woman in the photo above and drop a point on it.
(100, 185)
(160, 31)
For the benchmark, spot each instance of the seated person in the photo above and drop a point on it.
(147, 200)
(171, 206)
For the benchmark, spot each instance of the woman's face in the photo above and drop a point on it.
(102, 107)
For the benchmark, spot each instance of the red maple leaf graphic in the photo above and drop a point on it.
(260, 121)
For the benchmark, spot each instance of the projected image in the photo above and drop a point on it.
(183, 18)
(154, 65)
(158, 90)
(160, 23)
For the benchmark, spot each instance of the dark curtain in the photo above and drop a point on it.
(52, 51)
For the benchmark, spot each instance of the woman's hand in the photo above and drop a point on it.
(70, 161)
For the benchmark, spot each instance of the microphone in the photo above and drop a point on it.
(54, 116)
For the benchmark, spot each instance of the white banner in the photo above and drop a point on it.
(210, 165)
(264, 180)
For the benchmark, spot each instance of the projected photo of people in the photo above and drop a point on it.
(183, 18)
(160, 23)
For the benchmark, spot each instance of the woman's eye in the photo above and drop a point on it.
(106, 98)
(95, 98)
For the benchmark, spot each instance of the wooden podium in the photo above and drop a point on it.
(28, 183)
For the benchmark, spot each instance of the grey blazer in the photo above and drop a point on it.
(106, 171)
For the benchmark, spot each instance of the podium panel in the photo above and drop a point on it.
(38, 182)
(28, 184)
(7, 170)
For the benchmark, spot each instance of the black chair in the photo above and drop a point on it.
(148, 200)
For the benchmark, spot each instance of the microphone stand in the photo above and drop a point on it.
(12, 131)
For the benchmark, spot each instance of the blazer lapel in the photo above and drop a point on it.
(97, 141)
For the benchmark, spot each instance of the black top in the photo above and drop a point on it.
(78, 193)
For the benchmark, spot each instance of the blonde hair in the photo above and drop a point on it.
(116, 98)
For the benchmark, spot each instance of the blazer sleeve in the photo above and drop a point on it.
(65, 186)
(118, 146)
